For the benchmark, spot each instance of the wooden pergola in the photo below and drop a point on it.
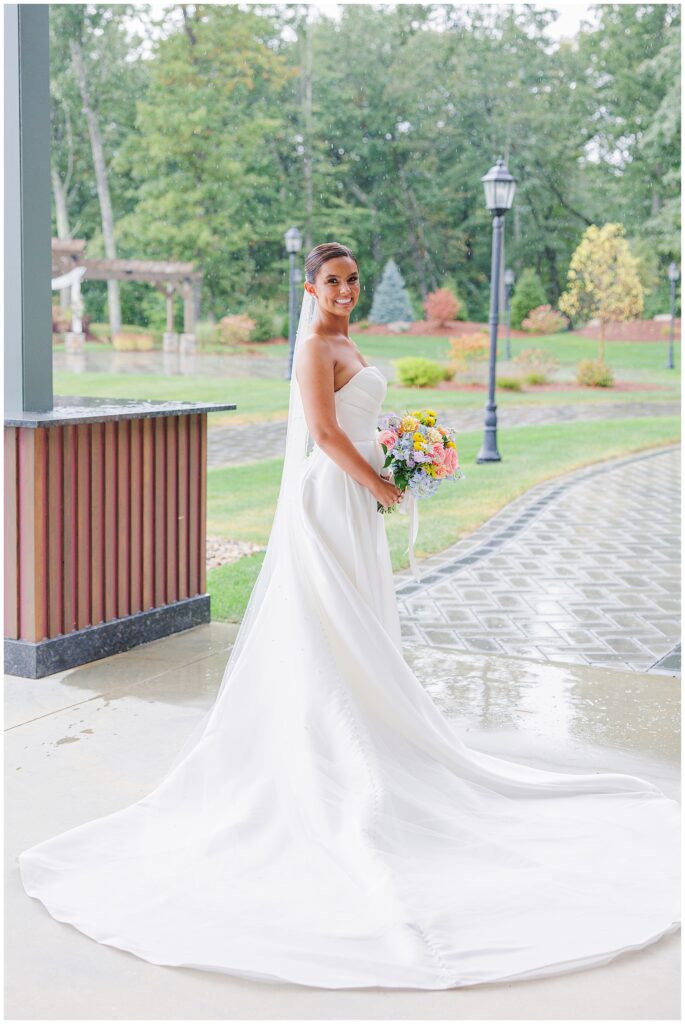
(166, 277)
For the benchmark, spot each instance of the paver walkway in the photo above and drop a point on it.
(584, 568)
(228, 445)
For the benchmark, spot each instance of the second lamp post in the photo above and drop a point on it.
(499, 195)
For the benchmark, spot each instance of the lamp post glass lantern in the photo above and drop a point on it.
(499, 188)
(293, 244)
(509, 278)
(673, 275)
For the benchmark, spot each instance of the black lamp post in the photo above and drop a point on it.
(293, 243)
(499, 195)
(673, 275)
(509, 278)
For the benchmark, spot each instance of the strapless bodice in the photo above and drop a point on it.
(359, 402)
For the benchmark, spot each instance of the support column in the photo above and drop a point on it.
(28, 261)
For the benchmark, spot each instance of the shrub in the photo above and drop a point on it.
(206, 333)
(594, 373)
(417, 372)
(100, 331)
(466, 349)
(263, 329)
(130, 341)
(544, 320)
(235, 329)
(509, 383)
(441, 306)
(528, 294)
(536, 363)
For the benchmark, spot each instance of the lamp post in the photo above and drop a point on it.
(499, 195)
(293, 243)
(673, 275)
(509, 278)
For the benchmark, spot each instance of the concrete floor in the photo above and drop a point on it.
(88, 741)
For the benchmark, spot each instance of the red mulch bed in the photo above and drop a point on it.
(432, 330)
(634, 330)
(452, 385)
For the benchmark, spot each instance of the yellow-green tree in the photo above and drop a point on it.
(603, 280)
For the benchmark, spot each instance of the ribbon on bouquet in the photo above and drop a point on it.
(409, 507)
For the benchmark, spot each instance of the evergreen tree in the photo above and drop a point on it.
(528, 294)
(391, 300)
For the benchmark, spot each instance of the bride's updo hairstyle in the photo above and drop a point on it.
(320, 254)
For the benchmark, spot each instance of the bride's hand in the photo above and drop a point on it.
(387, 493)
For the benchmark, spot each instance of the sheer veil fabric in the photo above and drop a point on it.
(325, 824)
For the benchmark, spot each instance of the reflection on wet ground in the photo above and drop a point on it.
(550, 714)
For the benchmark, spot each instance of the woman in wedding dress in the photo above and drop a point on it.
(324, 824)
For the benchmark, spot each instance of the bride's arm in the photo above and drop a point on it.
(315, 378)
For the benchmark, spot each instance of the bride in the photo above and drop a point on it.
(324, 824)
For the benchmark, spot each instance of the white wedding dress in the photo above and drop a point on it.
(330, 828)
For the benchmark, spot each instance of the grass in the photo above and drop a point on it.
(241, 499)
(267, 399)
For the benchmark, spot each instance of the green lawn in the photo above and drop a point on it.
(263, 399)
(241, 499)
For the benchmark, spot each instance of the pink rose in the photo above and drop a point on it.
(451, 460)
(388, 438)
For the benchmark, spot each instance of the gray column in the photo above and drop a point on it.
(28, 261)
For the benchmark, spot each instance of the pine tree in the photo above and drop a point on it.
(391, 300)
(528, 294)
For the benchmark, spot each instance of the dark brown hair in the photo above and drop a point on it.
(320, 254)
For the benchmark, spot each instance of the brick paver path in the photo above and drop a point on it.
(581, 569)
(228, 445)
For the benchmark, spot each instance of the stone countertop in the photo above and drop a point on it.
(77, 409)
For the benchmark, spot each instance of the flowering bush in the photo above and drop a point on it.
(544, 320)
(466, 349)
(594, 373)
(536, 364)
(235, 329)
(420, 452)
(441, 305)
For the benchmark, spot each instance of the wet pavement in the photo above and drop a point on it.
(226, 445)
(582, 569)
(88, 741)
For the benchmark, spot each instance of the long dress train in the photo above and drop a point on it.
(330, 828)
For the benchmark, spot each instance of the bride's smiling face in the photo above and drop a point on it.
(336, 286)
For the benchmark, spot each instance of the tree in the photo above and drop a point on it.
(391, 300)
(441, 305)
(603, 279)
(528, 295)
(206, 157)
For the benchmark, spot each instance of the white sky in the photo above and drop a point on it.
(567, 24)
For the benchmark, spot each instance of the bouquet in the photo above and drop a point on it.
(420, 453)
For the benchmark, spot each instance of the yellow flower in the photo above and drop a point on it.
(409, 423)
(418, 445)
(418, 436)
(450, 444)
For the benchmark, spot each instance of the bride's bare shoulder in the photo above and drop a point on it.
(315, 351)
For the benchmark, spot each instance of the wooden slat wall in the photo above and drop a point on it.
(102, 520)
